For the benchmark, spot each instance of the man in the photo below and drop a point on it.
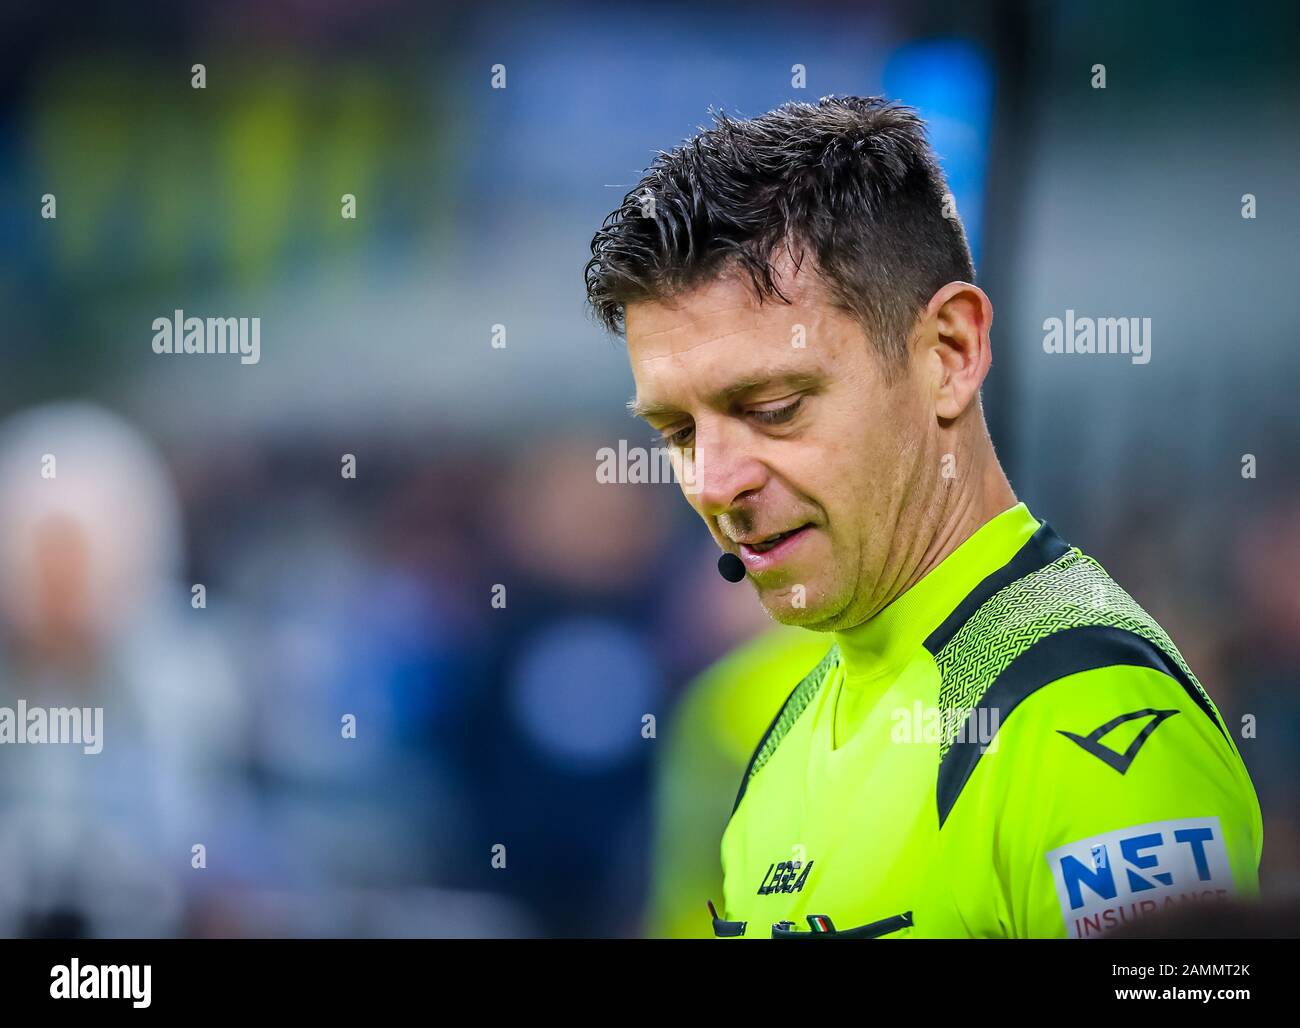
(1001, 742)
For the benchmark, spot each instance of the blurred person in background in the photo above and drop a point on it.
(93, 615)
(556, 753)
(362, 665)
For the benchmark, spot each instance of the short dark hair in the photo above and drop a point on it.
(850, 181)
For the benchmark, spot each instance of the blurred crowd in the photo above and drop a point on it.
(489, 723)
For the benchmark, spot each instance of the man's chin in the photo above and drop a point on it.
(790, 607)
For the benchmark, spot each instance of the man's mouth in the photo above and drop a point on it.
(767, 543)
(755, 550)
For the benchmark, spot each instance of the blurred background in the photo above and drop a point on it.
(503, 780)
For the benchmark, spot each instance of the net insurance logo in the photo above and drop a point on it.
(1113, 879)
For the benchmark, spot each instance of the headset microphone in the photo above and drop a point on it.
(731, 567)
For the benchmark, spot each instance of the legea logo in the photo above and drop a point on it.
(1112, 879)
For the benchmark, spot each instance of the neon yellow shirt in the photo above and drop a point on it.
(723, 714)
(1013, 748)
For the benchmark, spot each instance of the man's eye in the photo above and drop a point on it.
(777, 415)
(681, 437)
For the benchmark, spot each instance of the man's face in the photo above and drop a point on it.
(806, 456)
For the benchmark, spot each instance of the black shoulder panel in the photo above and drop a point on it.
(1055, 656)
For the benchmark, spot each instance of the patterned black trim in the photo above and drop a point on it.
(1055, 656)
(1043, 547)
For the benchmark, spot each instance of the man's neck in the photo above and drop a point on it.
(969, 511)
(960, 511)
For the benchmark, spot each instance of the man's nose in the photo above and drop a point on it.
(726, 468)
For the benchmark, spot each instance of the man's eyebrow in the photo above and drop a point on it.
(795, 380)
(649, 410)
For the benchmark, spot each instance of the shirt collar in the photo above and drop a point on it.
(887, 640)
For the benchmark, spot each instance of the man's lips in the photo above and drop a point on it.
(763, 543)
(763, 551)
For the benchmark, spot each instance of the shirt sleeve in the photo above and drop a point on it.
(1114, 796)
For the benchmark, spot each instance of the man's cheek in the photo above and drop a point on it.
(688, 470)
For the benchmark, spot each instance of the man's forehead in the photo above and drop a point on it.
(720, 309)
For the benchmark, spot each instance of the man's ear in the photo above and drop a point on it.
(958, 318)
